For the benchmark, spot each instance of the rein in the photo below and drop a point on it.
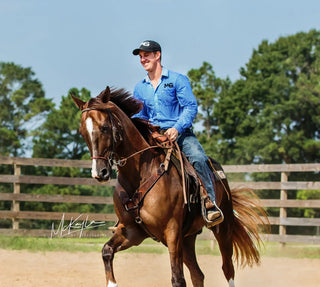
(123, 161)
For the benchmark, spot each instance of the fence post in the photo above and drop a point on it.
(283, 210)
(16, 190)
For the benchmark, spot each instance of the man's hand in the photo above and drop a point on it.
(172, 134)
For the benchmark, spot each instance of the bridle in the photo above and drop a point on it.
(110, 158)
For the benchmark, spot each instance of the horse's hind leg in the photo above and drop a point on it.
(226, 249)
(121, 240)
(189, 258)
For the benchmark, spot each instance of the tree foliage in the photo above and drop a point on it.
(22, 103)
(208, 89)
(272, 114)
(59, 136)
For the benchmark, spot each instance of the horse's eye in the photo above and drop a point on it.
(105, 129)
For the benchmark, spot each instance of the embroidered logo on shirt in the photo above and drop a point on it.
(170, 85)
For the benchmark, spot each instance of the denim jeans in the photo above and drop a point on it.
(195, 153)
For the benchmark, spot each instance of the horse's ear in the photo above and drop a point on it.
(106, 95)
(79, 103)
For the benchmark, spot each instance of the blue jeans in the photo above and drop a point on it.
(195, 153)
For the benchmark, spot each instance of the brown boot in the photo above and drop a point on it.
(208, 203)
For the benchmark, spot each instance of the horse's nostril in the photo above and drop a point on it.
(103, 173)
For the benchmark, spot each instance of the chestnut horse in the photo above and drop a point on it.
(114, 137)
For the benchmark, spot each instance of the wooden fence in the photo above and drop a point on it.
(80, 223)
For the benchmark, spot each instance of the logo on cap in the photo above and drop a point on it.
(145, 43)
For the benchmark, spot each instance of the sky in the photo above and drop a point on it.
(78, 43)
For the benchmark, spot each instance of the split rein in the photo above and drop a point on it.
(123, 161)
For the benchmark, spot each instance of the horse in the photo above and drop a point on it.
(115, 137)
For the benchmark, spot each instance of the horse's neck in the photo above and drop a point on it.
(132, 148)
(133, 140)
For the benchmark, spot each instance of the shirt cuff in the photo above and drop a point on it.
(179, 128)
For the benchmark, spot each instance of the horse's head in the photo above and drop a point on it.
(102, 131)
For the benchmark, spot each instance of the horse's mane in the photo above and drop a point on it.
(122, 98)
(129, 105)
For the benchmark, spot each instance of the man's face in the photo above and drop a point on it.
(149, 60)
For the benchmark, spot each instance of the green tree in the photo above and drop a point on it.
(309, 194)
(22, 104)
(208, 89)
(59, 136)
(272, 114)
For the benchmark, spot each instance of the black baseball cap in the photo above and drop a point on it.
(148, 46)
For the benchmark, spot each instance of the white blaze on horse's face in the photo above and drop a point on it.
(89, 126)
(231, 283)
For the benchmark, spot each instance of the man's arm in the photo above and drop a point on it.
(187, 102)
(143, 113)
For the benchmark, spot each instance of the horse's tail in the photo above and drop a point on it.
(245, 237)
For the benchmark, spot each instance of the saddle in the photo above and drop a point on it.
(193, 190)
(193, 183)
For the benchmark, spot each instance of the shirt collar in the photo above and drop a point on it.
(164, 73)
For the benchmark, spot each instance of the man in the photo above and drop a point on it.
(168, 102)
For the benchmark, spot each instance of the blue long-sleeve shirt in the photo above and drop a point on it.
(171, 104)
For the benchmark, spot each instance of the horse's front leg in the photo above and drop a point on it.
(123, 238)
(190, 259)
(174, 242)
(108, 251)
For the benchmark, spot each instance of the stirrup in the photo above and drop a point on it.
(204, 211)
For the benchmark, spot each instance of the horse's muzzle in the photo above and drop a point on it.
(103, 175)
(101, 171)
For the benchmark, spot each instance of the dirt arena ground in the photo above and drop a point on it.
(64, 269)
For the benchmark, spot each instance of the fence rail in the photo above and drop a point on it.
(17, 179)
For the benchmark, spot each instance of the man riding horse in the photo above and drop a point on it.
(148, 197)
(168, 102)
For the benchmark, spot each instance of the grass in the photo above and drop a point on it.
(34, 244)
(291, 250)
